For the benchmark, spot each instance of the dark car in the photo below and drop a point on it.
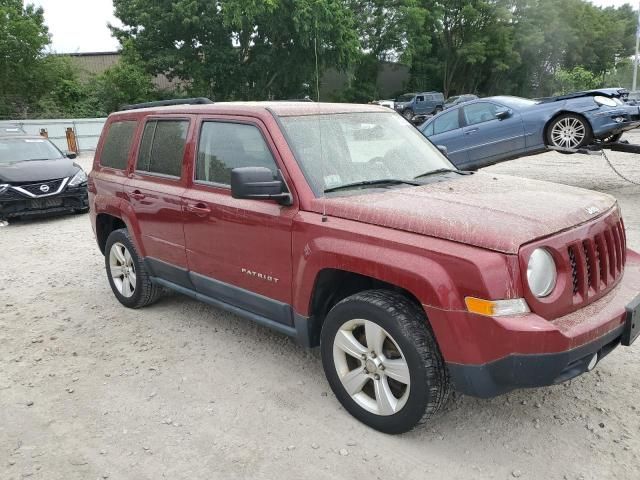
(11, 129)
(410, 105)
(37, 178)
(458, 99)
(490, 130)
(342, 226)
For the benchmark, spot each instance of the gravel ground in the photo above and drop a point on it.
(181, 390)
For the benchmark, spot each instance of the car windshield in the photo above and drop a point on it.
(407, 97)
(339, 149)
(24, 149)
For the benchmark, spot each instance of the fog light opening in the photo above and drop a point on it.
(592, 363)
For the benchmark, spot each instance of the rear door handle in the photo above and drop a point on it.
(472, 131)
(137, 194)
(198, 208)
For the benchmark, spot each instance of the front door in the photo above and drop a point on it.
(238, 251)
(489, 139)
(154, 190)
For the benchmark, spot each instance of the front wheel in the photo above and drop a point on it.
(382, 361)
(569, 131)
(408, 114)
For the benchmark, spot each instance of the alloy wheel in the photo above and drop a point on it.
(568, 132)
(372, 368)
(122, 269)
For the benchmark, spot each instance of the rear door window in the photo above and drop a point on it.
(225, 146)
(162, 147)
(115, 152)
(446, 122)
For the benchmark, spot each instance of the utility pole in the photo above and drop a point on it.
(635, 60)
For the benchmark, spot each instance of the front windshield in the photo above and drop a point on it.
(340, 149)
(22, 149)
(407, 97)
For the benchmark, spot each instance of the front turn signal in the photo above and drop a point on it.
(497, 308)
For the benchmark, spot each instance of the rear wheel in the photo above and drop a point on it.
(382, 361)
(569, 131)
(128, 277)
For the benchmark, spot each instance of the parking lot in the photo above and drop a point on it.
(181, 390)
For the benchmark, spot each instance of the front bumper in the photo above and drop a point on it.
(488, 356)
(71, 199)
(605, 123)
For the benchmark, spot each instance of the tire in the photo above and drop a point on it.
(80, 211)
(133, 288)
(437, 110)
(569, 131)
(400, 326)
(408, 114)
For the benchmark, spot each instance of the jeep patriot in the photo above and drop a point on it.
(342, 226)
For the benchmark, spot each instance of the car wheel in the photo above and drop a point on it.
(437, 110)
(128, 277)
(81, 210)
(408, 114)
(569, 131)
(382, 361)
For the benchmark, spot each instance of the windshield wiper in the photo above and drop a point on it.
(441, 170)
(367, 183)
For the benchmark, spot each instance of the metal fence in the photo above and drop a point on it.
(87, 130)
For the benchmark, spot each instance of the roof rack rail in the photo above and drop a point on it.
(168, 103)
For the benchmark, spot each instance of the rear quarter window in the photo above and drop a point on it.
(117, 143)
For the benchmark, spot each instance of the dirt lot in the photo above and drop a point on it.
(182, 390)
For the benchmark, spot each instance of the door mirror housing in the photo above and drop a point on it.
(503, 113)
(443, 150)
(257, 183)
(71, 155)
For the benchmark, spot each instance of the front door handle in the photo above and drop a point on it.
(137, 195)
(199, 209)
(472, 131)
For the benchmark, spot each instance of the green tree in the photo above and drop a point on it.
(23, 36)
(122, 84)
(239, 49)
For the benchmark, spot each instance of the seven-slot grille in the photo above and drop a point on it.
(597, 262)
(36, 188)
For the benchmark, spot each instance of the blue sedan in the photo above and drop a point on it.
(490, 130)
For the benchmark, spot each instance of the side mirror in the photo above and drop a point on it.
(257, 183)
(443, 150)
(504, 113)
(71, 155)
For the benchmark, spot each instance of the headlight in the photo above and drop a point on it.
(78, 179)
(4, 187)
(605, 101)
(541, 273)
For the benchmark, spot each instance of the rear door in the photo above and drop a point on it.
(446, 130)
(154, 190)
(239, 251)
(489, 139)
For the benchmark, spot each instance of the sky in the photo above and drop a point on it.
(79, 26)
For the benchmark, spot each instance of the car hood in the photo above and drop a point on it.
(496, 212)
(37, 170)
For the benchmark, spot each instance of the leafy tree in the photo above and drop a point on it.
(575, 80)
(236, 48)
(23, 36)
(122, 84)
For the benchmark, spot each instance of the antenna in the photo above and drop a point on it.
(315, 50)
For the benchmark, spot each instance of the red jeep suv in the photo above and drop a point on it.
(342, 226)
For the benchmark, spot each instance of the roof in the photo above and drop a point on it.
(281, 109)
